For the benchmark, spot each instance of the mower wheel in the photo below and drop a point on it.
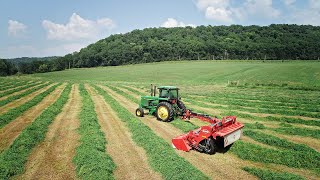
(139, 112)
(164, 112)
(210, 146)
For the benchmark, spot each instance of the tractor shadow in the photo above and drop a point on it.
(220, 146)
(222, 150)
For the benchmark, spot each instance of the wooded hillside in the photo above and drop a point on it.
(203, 42)
(274, 42)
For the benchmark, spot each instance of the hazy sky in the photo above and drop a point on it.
(57, 27)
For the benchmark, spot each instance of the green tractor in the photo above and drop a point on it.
(165, 106)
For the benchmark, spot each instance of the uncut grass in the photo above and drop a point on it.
(311, 107)
(228, 111)
(276, 119)
(267, 96)
(261, 95)
(18, 96)
(14, 158)
(256, 108)
(161, 156)
(91, 158)
(15, 112)
(265, 174)
(199, 73)
(264, 107)
(308, 108)
(19, 89)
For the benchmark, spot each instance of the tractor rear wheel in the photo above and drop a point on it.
(164, 112)
(139, 112)
(181, 105)
(210, 146)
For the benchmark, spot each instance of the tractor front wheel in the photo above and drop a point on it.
(139, 112)
(164, 112)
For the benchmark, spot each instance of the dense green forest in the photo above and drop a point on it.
(7, 68)
(30, 59)
(274, 42)
(29, 65)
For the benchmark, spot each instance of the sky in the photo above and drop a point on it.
(38, 28)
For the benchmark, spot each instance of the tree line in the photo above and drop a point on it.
(274, 42)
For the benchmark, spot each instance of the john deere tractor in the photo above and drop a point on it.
(165, 106)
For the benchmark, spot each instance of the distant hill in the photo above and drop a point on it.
(203, 42)
(30, 59)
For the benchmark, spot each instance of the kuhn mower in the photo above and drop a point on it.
(218, 134)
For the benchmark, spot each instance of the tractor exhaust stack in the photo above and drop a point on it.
(151, 90)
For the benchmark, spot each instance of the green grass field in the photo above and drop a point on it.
(279, 103)
(200, 73)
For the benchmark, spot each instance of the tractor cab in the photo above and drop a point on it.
(169, 92)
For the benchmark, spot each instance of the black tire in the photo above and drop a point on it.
(181, 106)
(169, 109)
(210, 146)
(139, 112)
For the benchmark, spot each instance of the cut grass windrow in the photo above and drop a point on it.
(283, 144)
(266, 97)
(264, 105)
(314, 133)
(19, 89)
(313, 113)
(18, 96)
(161, 155)
(287, 157)
(134, 91)
(288, 129)
(13, 85)
(91, 159)
(275, 119)
(13, 159)
(135, 100)
(5, 83)
(255, 125)
(255, 109)
(271, 175)
(15, 112)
